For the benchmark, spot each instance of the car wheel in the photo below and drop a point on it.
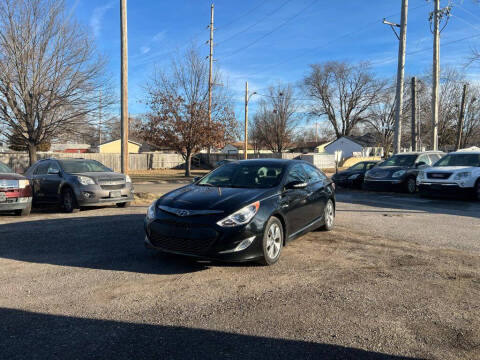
(24, 212)
(411, 185)
(477, 190)
(69, 202)
(123, 205)
(328, 216)
(272, 241)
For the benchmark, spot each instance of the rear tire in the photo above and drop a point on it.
(411, 185)
(328, 216)
(123, 205)
(24, 212)
(272, 242)
(69, 202)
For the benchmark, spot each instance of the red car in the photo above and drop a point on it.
(15, 192)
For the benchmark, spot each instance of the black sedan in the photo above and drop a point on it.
(242, 211)
(353, 176)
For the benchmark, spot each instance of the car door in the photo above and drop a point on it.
(51, 182)
(37, 181)
(316, 194)
(293, 201)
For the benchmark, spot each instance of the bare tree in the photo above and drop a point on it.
(50, 73)
(275, 120)
(178, 101)
(343, 92)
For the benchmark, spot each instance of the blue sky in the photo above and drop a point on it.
(272, 41)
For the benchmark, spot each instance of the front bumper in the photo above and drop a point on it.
(384, 185)
(200, 237)
(444, 189)
(94, 195)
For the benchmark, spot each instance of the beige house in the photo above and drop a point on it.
(115, 146)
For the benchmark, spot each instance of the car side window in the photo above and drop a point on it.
(435, 157)
(53, 166)
(424, 158)
(42, 168)
(296, 173)
(313, 175)
(370, 165)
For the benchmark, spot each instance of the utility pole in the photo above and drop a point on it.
(124, 81)
(247, 99)
(100, 119)
(414, 115)
(316, 131)
(402, 38)
(461, 117)
(210, 78)
(436, 71)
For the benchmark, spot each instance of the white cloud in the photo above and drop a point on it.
(159, 36)
(145, 49)
(97, 17)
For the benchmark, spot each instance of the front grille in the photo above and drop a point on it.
(112, 187)
(379, 174)
(439, 175)
(187, 246)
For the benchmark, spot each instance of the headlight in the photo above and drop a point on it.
(22, 184)
(398, 173)
(151, 211)
(240, 217)
(127, 179)
(85, 180)
(462, 175)
(353, 177)
(421, 175)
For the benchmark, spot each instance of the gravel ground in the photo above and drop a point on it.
(82, 286)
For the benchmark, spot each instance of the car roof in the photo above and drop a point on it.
(465, 152)
(420, 152)
(271, 161)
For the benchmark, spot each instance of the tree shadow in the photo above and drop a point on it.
(26, 335)
(96, 242)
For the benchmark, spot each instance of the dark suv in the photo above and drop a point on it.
(75, 183)
(399, 172)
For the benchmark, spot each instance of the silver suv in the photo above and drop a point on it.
(75, 183)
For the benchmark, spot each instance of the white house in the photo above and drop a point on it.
(364, 145)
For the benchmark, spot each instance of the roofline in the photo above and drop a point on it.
(130, 141)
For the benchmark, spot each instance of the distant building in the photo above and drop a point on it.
(115, 147)
(321, 148)
(365, 145)
(305, 147)
(70, 148)
(238, 148)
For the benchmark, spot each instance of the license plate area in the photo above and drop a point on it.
(115, 194)
(3, 197)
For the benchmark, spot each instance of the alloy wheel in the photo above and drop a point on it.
(411, 185)
(329, 215)
(274, 241)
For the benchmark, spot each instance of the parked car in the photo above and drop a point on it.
(75, 183)
(399, 172)
(15, 192)
(354, 175)
(243, 211)
(457, 173)
(223, 162)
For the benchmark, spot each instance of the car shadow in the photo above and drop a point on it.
(408, 203)
(96, 242)
(25, 334)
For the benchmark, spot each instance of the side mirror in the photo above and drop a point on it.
(421, 163)
(53, 172)
(296, 185)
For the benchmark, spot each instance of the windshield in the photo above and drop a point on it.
(244, 176)
(358, 166)
(5, 169)
(83, 166)
(459, 160)
(400, 160)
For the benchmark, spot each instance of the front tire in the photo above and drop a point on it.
(272, 243)
(411, 185)
(328, 216)
(69, 202)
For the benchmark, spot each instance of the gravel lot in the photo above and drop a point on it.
(378, 287)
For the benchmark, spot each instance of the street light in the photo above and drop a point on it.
(247, 99)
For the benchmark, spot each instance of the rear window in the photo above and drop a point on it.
(82, 166)
(5, 169)
(460, 160)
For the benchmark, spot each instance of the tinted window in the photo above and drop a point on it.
(400, 160)
(82, 166)
(296, 173)
(435, 157)
(42, 168)
(370, 165)
(244, 176)
(5, 169)
(459, 160)
(313, 174)
(359, 166)
(425, 159)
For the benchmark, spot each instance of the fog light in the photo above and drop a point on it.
(88, 195)
(242, 246)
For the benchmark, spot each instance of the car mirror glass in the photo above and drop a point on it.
(420, 163)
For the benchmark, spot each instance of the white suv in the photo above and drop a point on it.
(456, 172)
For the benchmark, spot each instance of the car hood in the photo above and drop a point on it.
(109, 176)
(452, 168)
(193, 197)
(11, 176)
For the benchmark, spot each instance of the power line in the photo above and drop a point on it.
(255, 23)
(270, 32)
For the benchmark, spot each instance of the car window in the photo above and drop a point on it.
(296, 173)
(5, 169)
(83, 166)
(400, 160)
(42, 168)
(435, 157)
(53, 166)
(370, 165)
(313, 174)
(424, 158)
(459, 160)
(359, 166)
